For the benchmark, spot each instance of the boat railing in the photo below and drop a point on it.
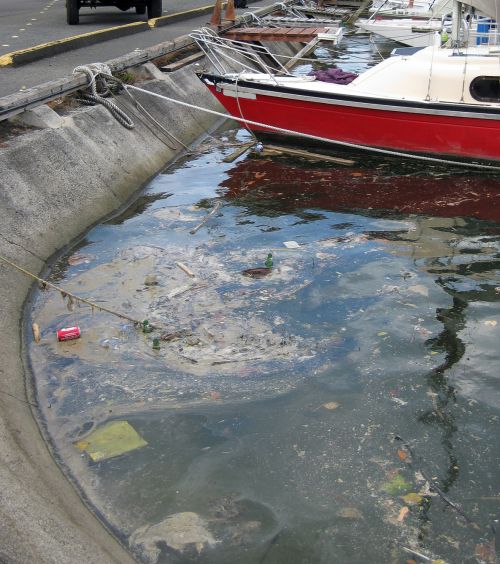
(229, 55)
(485, 32)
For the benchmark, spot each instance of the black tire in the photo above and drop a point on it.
(154, 9)
(140, 10)
(72, 15)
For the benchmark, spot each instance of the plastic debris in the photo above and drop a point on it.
(399, 401)
(156, 344)
(179, 532)
(419, 289)
(291, 244)
(269, 261)
(146, 327)
(331, 405)
(350, 513)
(412, 498)
(110, 440)
(397, 486)
(151, 280)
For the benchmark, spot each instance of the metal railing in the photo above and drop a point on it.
(229, 56)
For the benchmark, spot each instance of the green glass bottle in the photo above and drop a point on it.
(269, 260)
(146, 327)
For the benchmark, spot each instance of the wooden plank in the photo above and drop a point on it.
(294, 31)
(235, 154)
(359, 11)
(309, 155)
(277, 34)
(182, 63)
(302, 53)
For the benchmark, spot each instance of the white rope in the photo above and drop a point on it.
(317, 138)
(102, 70)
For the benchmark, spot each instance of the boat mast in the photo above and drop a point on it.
(456, 21)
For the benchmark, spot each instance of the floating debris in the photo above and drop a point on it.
(69, 333)
(412, 498)
(179, 532)
(397, 486)
(186, 269)
(36, 332)
(258, 272)
(350, 513)
(151, 280)
(110, 440)
(403, 512)
(331, 405)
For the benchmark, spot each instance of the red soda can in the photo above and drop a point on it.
(68, 333)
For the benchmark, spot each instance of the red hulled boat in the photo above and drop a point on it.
(438, 101)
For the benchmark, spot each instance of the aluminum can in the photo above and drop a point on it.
(68, 333)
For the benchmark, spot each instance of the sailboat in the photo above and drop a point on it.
(414, 33)
(418, 32)
(410, 9)
(439, 102)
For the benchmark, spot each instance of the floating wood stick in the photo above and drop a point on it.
(185, 268)
(207, 217)
(235, 154)
(415, 553)
(309, 155)
(183, 289)
(36, 332)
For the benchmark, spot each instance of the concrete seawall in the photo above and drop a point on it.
(57, 181)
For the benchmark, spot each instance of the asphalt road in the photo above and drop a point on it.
(25, 23)
(48, 22)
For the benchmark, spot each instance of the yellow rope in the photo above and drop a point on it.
(65, 293)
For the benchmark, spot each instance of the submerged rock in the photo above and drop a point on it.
(179, 532)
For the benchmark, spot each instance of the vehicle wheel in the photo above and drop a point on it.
(72, 15)
(140, 10)
(154, 9)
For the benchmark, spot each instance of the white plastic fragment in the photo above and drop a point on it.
(291, 244)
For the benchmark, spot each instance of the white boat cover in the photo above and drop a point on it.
(490, 8)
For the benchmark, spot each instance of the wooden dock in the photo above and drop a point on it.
(297, 34)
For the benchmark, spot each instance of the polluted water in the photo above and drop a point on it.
(340, 404)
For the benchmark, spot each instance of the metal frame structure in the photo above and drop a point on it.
(222, 52)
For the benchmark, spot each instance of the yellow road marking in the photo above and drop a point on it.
(154, 21)
(8, 59)
(5, 60)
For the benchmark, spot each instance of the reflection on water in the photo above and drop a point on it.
(270, 410)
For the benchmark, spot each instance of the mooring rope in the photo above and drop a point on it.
(102, 72)
(66, 294)
(93, 72)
